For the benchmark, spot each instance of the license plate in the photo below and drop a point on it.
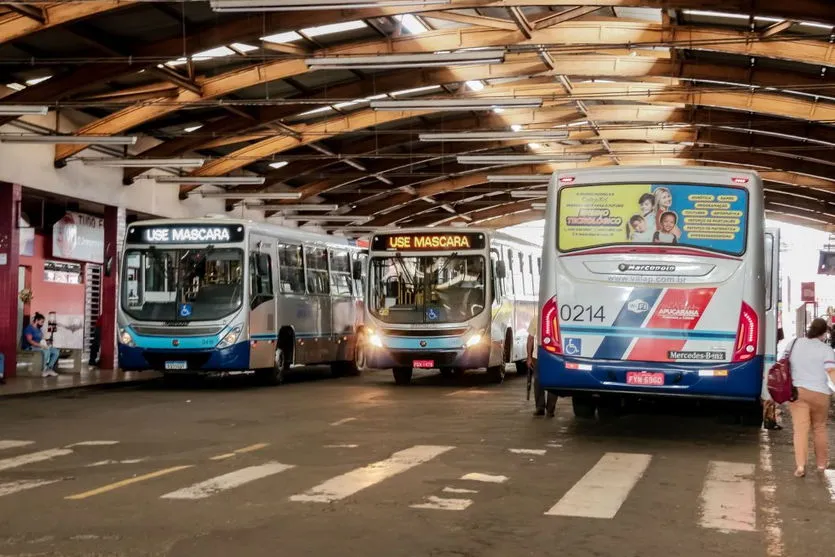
(644, 378)
(176, 365)
(423, 364)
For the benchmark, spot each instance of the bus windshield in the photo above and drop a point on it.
(427, 289)
(701, 216)
(198, 284)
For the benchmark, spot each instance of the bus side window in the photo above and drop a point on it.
(511, 271)
(359, 285)
(497, 282)
(261, 279)
(316, 263)
(291, 269)
(534, 275)
(523, 276)
(341, 279)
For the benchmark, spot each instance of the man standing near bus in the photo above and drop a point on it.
(546, 403)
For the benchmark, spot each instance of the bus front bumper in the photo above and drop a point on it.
(465, 358)
(734, 381)
(233, 358)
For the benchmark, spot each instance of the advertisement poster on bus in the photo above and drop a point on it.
(709, 217)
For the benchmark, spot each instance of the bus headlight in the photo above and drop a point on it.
(375, 340)
(125, 338)
(473, 340)
(230, 338)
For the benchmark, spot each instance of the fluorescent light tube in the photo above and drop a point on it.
(519, 178)
(487, 136)
(215, 180)
(293, 208)
(142, 163)
(296, 5)
(521, 159)
(281, 195)
(527, 194)
(439, 105)
(70, 139)
(540, 206)
(22, 110)
(388, 61)
(328, 218)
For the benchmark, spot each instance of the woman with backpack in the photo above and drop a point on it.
(812, 365)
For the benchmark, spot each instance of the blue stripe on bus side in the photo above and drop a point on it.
(614, 346)
(630, 332)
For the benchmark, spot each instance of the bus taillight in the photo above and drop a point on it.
(748, 333)
(550, 328)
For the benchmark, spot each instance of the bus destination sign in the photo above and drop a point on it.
(428, 241)
(185, 234)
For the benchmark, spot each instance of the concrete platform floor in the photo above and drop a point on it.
(357, 466)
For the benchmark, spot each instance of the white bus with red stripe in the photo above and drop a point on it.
(654, 283)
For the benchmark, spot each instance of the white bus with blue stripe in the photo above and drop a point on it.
(212, 296)
(450, 299)
(655, 282)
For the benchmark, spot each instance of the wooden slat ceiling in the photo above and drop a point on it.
(669, 82)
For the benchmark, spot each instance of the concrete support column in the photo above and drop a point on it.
(10, 195)
(114, 230)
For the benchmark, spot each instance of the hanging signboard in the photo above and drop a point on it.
(80, 237)
(64, 273)
(807, 292)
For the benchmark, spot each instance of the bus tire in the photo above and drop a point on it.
(402, 375)
(496, 373)
(350, 368)
(583, 406)
(521, 368)
(273, 375)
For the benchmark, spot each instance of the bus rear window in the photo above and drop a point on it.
(701, 216)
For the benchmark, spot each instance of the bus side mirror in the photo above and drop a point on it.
(501, 270)
(357, 270)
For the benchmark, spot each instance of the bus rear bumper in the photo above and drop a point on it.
(733, 381)
(469, 358)
(234, 358)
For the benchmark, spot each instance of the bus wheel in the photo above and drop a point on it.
(402, 375)
(583, 406)
(496, 373)
(522, 368)
(275, 374)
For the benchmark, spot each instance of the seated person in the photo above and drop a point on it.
(33, 340)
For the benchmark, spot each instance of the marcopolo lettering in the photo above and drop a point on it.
(632, 268)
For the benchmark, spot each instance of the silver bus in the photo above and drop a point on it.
(449, 299)
(216, 295)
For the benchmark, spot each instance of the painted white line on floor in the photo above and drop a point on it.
(356, 480)
(93, 444)
(231, 480)
(604, 488)
(478, 477)
(341, 446)
(244, 450)
(106, 462)
(13, 444)
(22, 485)
(444, 504)
(459, 490)
(768, 490)
(729, 497)
(126, 482)
(537, 452)
(343, 421)
(31, 458)
(554, 445)
(830, 482)
(471, 391)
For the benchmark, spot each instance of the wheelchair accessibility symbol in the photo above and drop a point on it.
(573, 346)
(185, 310)
(432, 314)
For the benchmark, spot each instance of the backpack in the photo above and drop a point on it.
(780, 385)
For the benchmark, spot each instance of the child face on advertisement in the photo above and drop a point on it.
(639, 225)
(668, 222)
(646, 206)
(664, 198)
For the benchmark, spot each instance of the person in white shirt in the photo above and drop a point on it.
(639, 232)
(546, 403)
(813, 369)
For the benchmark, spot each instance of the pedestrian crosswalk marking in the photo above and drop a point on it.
(13, 444)
(536, 452)
(126, 482)
(93, 444)
(31, 458)
(458, 490)
(604, 488)
(478, 477)
(729, 497)
(9, 488)
(244, 450)
(444, 504)
(358, 479)
(231, 480)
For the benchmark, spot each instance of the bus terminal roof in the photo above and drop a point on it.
(299, 98)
